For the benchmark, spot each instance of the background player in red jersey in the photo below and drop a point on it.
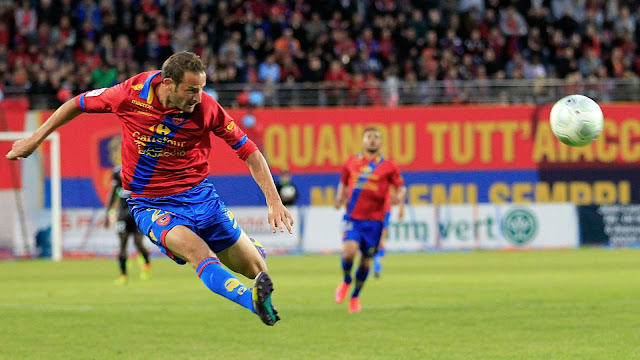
(364, 186)
(166, 121)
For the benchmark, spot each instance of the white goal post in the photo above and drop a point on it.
(56, 196)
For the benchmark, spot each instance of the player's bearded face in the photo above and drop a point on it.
(372, 141)
(188, 93)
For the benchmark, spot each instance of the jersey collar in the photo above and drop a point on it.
(378, 159)
(147, 92)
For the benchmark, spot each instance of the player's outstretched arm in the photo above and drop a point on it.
(279, 216)
(341, 197)
(25, 147)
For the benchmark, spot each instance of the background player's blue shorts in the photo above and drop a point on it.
(365, 232)
(387, 216)
(199, 208)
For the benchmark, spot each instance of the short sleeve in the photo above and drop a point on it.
(102, 100)
(396, 177)
(345, 174)
(225, 128)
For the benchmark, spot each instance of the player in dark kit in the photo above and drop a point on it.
(126, 227)
(364, 186)
(167, 120)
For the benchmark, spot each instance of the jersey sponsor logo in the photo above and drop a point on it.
(145, 113)
(95, 92)
(142, 104)
(156, 152)
(137, 87)
(142, 140)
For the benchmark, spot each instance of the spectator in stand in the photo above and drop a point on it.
(590, 63)
(123, 51)
(104, 76)
(313, 71)
(314, 27)
(336, 81)
(287, 46)
(26, 20)
(269, 70)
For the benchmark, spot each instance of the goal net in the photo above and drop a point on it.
(30, 200)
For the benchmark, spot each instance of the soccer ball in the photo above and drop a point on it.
(576, 120)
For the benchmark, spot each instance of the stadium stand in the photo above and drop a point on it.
(334, 52)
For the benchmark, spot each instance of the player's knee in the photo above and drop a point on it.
(254, 268)
(365, 262)
(349, 255)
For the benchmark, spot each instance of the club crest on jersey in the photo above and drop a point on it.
(163, 220)
(179, 118)
(106, 148)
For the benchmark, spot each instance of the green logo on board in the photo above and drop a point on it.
(519, 226)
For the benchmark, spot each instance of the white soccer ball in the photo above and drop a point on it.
(576, 120)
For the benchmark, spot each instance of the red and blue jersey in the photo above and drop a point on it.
(369, 182)
(164, 151)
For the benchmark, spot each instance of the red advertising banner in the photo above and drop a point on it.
(444, 138)
(494, 153)
(417, 138)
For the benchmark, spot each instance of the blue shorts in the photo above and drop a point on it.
(365, 232)
(385, 223)
(199, 208)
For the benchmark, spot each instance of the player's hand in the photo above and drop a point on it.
(22, 148)
(396, 200)
(280, 217)
(337, 204)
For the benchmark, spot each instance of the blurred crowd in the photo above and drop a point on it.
(351, 49)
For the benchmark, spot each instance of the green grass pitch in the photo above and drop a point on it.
(547, 305)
